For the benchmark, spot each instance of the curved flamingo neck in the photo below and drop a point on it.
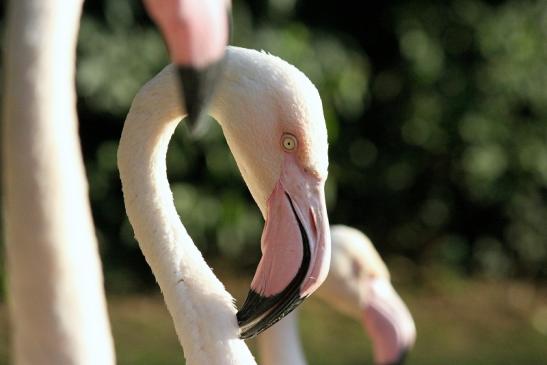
(280, 344)
(56, 297)
(203, 312)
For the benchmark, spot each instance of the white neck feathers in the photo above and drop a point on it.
(202, 310)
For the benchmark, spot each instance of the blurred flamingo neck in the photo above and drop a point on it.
(280, 344)
(55, 283)
(202, 310)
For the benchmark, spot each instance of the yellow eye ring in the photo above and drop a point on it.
(289, 143)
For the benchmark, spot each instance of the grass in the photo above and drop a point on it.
(467, 322)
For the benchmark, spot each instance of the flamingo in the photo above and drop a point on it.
(56, 296)
(358, 284)
(272, 118)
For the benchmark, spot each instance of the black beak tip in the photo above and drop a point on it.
(193, 120)
(198, 85)
(260, 312)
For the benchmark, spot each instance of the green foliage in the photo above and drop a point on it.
(478, 104)
(438, 150)
(116, 57)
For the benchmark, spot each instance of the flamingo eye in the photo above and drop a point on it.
(289, 142)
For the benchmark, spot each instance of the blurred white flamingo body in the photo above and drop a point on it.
(56, 296)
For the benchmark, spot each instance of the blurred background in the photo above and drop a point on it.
(437, 120)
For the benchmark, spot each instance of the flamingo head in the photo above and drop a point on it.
(278, 137)
(359, 285)
(196, 33)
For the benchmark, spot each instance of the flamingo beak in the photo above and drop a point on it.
(196, 33)
(295, 251)
(197, 87)
(388, 323)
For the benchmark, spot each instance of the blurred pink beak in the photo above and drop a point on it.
(196, 34)
(295, 250)
(388, 323)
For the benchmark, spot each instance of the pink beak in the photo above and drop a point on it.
(196, 33)
(295, 250)
(388, 323)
